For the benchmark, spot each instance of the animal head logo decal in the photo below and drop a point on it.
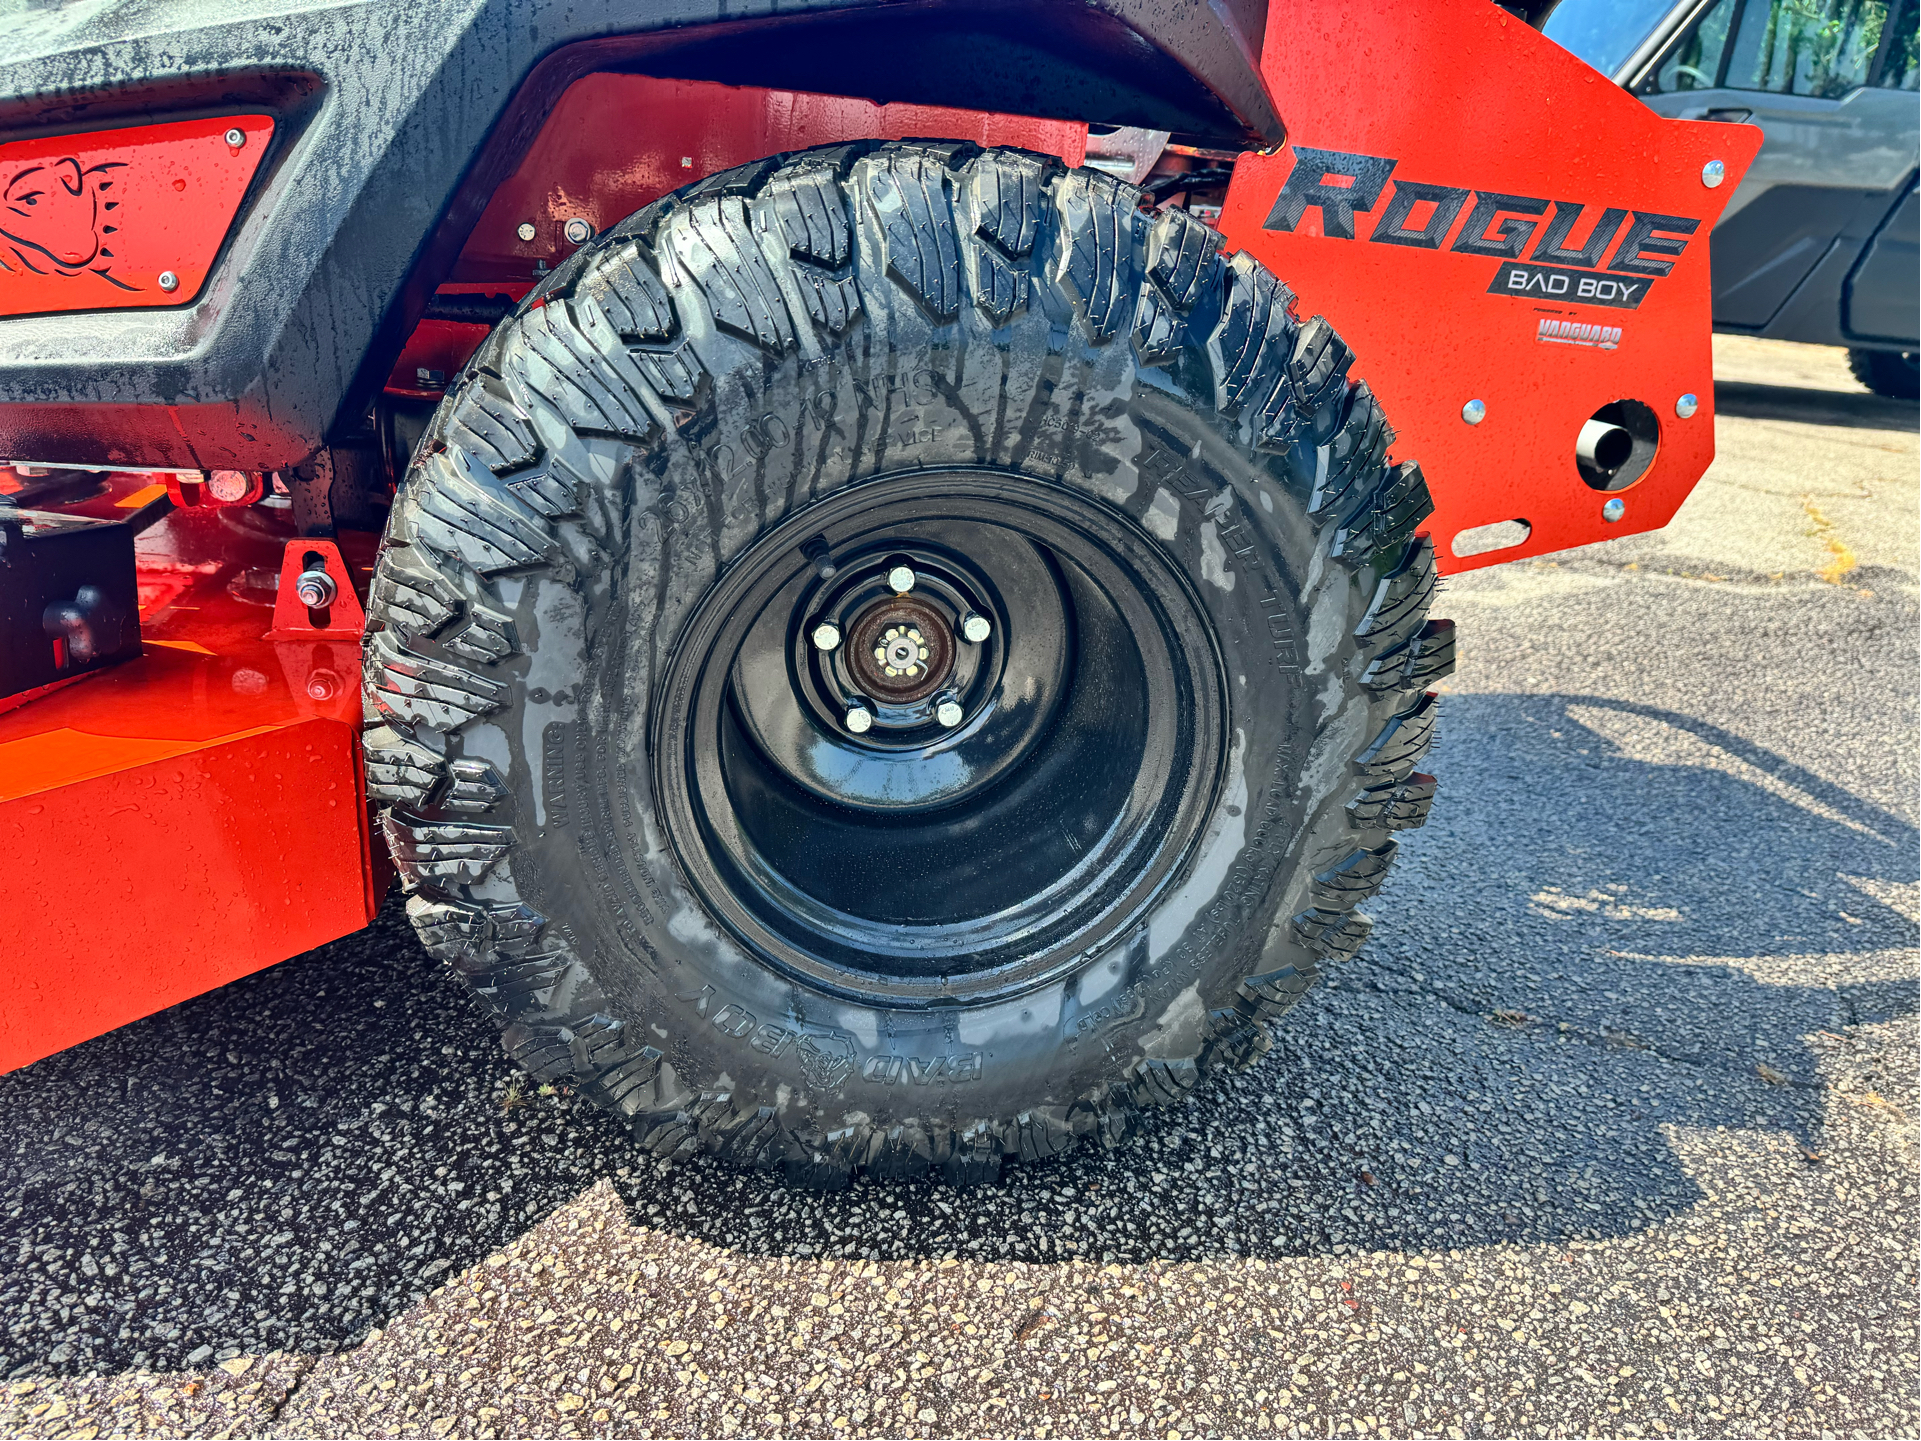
(53, 219)
(826, 1060)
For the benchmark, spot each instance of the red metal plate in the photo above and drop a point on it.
(616, 142)
(189, 816)
(1466, 102)
(99, 221)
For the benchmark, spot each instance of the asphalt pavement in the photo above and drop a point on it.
(1611, 1129)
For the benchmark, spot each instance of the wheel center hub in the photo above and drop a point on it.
(946, 734)
(901, 649)
(903, 653)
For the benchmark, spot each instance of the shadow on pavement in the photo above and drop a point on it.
(1812, 406)
(1571, 960)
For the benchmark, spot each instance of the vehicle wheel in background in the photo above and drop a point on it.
(1887, 372)
(895, 658)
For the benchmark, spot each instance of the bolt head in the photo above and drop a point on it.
(900, 579)
(1474, 412)
(1713, 173)
(860, 720)
(1687, 405)
(168, 281)
(314, 588)
(1614, 509)
(826, 635)
(976, 628)
(525, 230)
(236, 137)
(948, 713)
(578, 231)
(323, 685)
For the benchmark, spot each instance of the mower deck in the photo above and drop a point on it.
(205, 795)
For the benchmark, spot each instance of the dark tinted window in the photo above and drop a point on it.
(1604, 32)
(1695, 64)
(1807, 47)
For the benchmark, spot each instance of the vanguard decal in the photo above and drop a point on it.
(1587, 254)
(1575, 332)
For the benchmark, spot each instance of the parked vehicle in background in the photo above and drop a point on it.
(1818, 243)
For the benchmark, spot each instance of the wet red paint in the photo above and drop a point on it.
(198, 811)
(1468, 97)
(93, 221)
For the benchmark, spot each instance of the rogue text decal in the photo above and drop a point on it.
(1498, 226)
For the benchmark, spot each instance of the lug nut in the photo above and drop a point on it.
(860, 720)
(976, 627)
(826, 635)
(578, 231)
(901, 579)
(948, 713)
(315, 589)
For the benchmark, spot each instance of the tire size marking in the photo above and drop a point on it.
(828, 1057)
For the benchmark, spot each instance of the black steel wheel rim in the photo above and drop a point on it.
(1012, 808)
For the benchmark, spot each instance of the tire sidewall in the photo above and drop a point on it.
(900, 394)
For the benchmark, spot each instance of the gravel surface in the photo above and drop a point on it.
(1610, 1131)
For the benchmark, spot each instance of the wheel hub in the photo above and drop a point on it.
(997, 694)
(901, 650)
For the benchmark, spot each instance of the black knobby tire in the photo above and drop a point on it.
(1893, 373)
(764, 372)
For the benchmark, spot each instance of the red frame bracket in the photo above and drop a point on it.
(342, 619)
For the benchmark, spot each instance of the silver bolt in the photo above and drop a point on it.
(1474, 412)
(826, 635)
(976, 627)
(1614, 509)
(236, 137)
(948, 713)
(1713, 173)
(525, 230)
(168, 281)
(860, 720)
(315, 589)
(901, 579)
(323, 685)
(1687, 405)
(578, 231)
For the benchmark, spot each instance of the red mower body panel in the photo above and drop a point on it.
(200, 808)
(1517, 231)
(191, 815)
